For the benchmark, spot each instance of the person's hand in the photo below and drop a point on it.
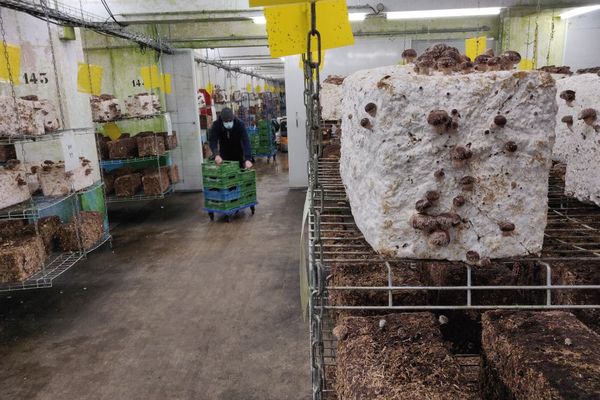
(248, 164)
(218, 160)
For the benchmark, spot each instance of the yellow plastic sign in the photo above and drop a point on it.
(112, 130)
(89, 78)
(248, 87)
(269, 3)
(526, 64)
(14, 60)
(166, 83)
(257, 89)
(475, 46)
(151, 77)
(210, 88)
(288, 26)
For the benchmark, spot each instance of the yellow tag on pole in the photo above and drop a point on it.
(248, 87)
(14, 61)
(89, 78)
(210, 88)
(166, 83)
(151, 77)
(526, 64)
(475, 46)
(257, 89)
(288, 26)
(112, 130)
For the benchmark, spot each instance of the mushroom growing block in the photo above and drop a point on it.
(578, 135)
(331, 98)
(142, 105)
(13, 187)
(390, 165)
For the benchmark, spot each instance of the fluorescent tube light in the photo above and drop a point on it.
(578, 11)
(259, 20)
(456, 12)
(357, 16)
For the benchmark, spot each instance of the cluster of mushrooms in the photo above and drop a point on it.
(588, 115)
(448, 60)
(437, 227)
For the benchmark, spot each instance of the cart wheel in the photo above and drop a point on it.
(211, 215)
(253, 209)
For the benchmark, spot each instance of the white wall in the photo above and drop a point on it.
(582, 47)
(32, 35)
(183, 107)
(365, 53)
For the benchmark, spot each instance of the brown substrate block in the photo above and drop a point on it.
(122, 148)
(156, 183)
(21, 258)
(10, 229)
(91, 229)
(173, 173)
(396, 356)
(47, 228)
(539, 356)
(7, 152)
(332, 151)
(150, 145)
(497, 274)
(128, 185)
(170, 140)
(102, 146)
(579, 274)
(109, 183)
(369, 275)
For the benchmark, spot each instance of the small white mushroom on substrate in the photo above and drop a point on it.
(382, 323)
(340, 332)
(568, 342)
(443, 319)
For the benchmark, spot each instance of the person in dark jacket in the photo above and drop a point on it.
(229, 140)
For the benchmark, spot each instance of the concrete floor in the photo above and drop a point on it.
(181, 308)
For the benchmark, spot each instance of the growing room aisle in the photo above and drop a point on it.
(182, 308)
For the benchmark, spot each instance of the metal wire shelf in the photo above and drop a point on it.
(572, 239)
(14, 139)
(56, 265)
(129, 161)
(34, 208)
(132, 117)
(140, 197)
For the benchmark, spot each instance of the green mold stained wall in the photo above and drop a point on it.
(121, 63)
(538, 36)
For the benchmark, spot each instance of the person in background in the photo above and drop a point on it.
(229, 140)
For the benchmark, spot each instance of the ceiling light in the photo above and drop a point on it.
(578, 11)
(456, 12)
(259, 20)
(357, 16)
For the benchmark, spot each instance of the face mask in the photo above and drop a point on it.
(228, 125)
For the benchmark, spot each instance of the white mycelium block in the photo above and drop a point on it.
(578, 134)
(448, 166)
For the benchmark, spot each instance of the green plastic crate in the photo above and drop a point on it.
(221, 183)
(222, 205)
(248, 175)
(225, 170)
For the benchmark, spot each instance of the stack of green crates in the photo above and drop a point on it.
(227, 188)
(262, 142)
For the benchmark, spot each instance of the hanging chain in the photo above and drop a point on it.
(60, 101)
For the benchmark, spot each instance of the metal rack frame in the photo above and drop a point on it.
(572, 236)
(17, 139)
